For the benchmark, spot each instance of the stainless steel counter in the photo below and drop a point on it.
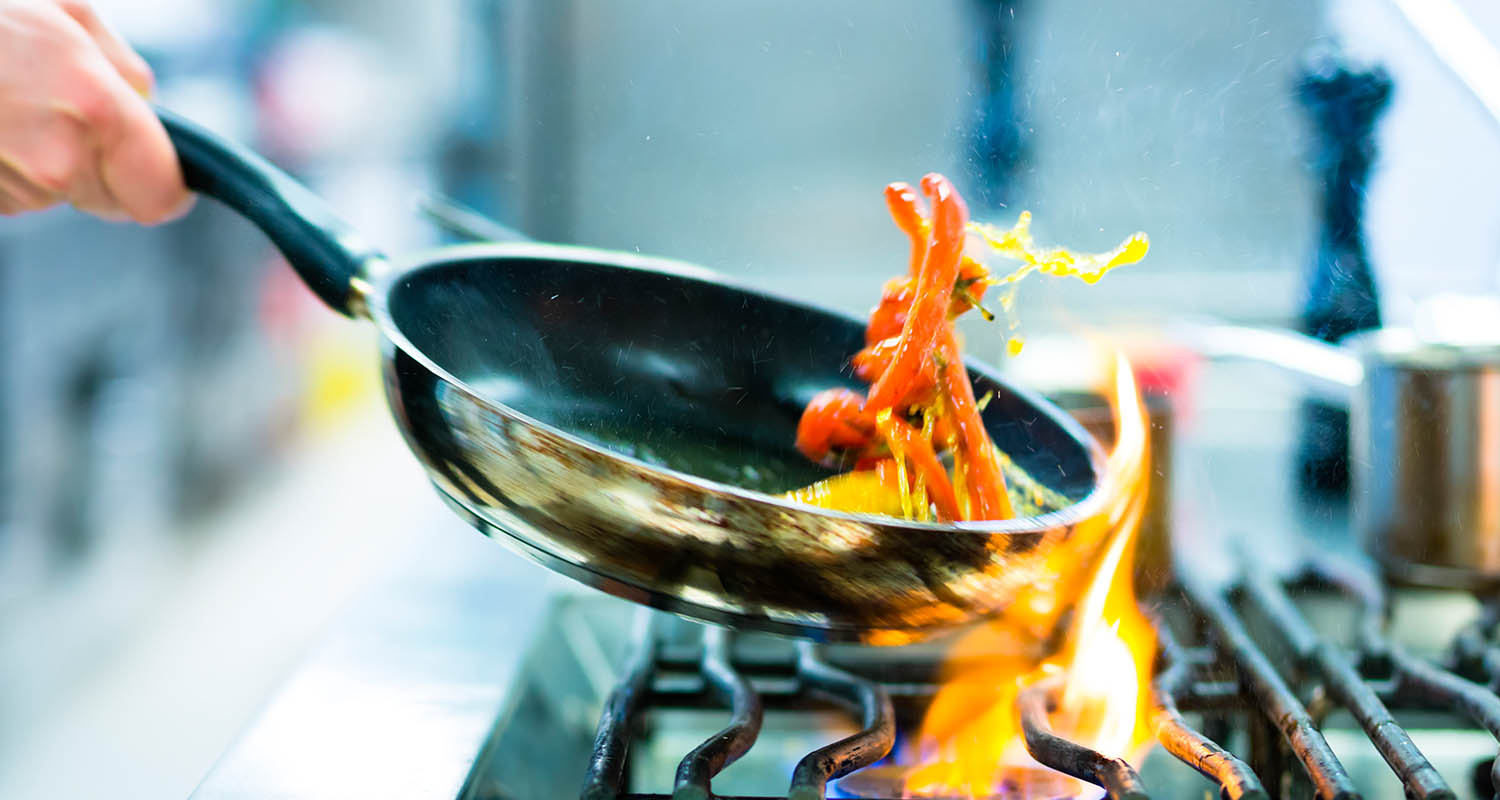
(397, 701)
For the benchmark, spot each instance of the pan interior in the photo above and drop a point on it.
(681, 372)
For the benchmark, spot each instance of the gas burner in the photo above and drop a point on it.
(1265, 686)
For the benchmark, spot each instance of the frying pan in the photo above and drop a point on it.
(625, 420)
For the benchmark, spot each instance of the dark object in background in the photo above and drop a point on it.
(996, 142)
(1342, 103)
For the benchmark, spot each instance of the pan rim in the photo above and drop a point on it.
(450, 255)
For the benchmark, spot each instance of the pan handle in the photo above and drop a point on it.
(329, 255)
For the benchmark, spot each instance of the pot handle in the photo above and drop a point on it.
(459, 219)
(330, 257)
(1330, 372)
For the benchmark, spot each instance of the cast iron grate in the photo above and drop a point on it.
(1372, 679)
(1240, 657)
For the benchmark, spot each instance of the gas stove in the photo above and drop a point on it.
(1286, 668)
(1251, 702)
(1273, 683)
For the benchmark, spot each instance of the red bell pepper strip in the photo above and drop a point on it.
(906, 210)
(929, 311)
(834, 419)
(986, 484)
(895, 303)
(873, 361)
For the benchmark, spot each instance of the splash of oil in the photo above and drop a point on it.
(1018, 244)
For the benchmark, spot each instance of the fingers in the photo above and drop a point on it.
(19, 193)
(136, 170)
(137, 164)
(89, 194)
(126, 61)
(116, 161)
(41, 158)
(74, 125)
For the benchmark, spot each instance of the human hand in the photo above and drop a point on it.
(74, 123)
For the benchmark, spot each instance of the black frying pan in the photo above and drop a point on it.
(622, 419)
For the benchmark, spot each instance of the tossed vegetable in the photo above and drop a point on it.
(921, 405)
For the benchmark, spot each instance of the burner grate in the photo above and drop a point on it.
(725, 684)
(1371, 680)
(1243, 660)
(1114, 775)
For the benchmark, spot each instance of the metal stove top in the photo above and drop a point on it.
(1269, 709)
(447, 708)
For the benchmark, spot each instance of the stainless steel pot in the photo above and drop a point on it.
(1424, 429)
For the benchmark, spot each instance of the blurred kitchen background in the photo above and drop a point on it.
(197, 471)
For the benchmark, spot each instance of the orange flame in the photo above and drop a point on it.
(970, 743)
